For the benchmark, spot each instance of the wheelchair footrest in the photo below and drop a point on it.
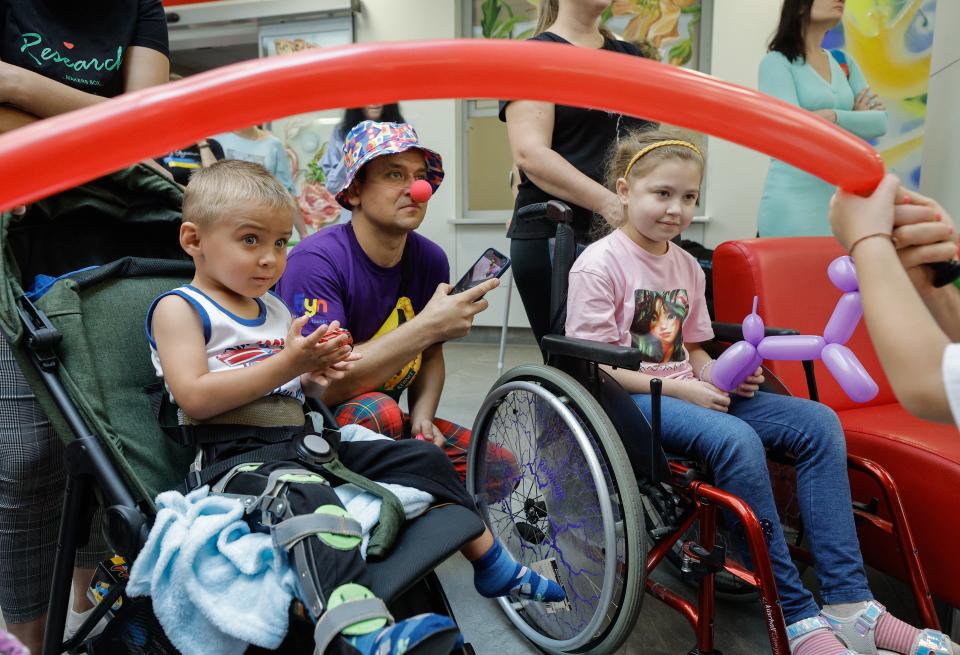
(698, 562)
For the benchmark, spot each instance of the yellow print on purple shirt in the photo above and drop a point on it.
(400, 314)
(657, 327)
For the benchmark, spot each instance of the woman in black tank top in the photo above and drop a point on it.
(560, 152)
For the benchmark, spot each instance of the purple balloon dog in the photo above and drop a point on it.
(742, 359)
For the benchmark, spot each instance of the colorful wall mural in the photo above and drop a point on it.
(891, 40)
(667, 30)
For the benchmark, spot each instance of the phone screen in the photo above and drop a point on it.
(491, 264)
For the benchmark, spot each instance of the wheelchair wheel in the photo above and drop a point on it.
(554, 484)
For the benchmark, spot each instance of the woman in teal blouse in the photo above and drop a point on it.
(799, 71)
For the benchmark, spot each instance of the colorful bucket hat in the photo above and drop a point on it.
(369, 140)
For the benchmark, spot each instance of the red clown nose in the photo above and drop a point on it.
(421, 191)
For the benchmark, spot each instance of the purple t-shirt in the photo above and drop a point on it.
(330, 277)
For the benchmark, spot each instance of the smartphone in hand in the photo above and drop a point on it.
(491, 264)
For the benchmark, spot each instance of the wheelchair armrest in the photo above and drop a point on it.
(592, 351)
(732, 332)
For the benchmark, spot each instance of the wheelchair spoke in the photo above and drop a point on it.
(552, 503)
(558, 506)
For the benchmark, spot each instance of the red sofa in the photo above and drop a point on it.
(789, 276)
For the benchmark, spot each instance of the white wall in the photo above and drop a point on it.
(735, 174)
(940, 175)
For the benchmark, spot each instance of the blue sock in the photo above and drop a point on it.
(405, 635)
(497, 574)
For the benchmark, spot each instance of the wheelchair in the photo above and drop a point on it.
(89, 367)
(598, 501)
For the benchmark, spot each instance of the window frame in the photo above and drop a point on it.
(467, 109)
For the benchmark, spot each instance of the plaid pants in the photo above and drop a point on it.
(381, 413)
(32, 478)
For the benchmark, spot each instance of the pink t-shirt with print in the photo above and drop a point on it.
(623, 295)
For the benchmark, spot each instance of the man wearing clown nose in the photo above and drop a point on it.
(388, 285)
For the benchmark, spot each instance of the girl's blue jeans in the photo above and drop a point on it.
(733, 446)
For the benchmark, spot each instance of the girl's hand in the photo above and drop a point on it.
(704, 394)
(430, 432)
(310, 353)
(749, 387)
(853, 217)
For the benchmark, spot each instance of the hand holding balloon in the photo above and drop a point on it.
(741, 359)
(903, 216)
(749, 387)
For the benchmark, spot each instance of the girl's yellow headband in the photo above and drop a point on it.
(660, 144)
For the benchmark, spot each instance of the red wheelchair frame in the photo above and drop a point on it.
(707, 499)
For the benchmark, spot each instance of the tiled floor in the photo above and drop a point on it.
(740, 630)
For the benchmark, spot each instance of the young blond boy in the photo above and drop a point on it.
(230, 353)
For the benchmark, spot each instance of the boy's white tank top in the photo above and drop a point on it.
(234, 342)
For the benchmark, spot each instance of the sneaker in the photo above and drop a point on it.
(75, 621)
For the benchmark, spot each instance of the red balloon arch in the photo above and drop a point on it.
(73, 148)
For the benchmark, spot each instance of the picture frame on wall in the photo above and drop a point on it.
(674, 32)
(305, 136)
(288, 38)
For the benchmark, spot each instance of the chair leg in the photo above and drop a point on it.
(900, 527)
(701, 616)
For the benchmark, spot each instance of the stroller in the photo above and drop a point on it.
(82, 347)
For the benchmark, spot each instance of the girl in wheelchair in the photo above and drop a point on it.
(231, 355)
(635, 287)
